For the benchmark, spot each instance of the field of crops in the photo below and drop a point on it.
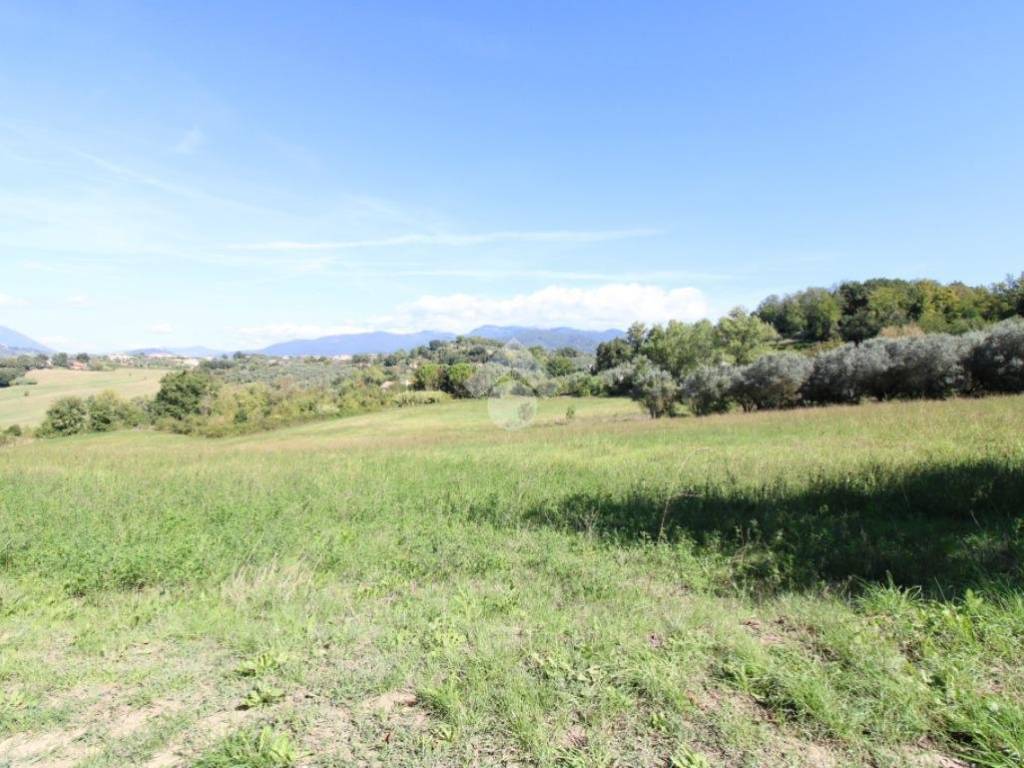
(417, 587)
(26, 405)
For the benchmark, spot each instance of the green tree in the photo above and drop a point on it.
(184, 394)
(559, 365)
(428, 376)
(611, 354)
(656, 390)
(67, 416)
(742, 338)
(681, 347)
(60, 360)
(820, 313)
(456, 379)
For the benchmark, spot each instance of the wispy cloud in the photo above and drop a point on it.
(452, 239)
(192, 140)
(256, 336)
(11, 301)
(79, 301)
(614, 305)
(161, 328)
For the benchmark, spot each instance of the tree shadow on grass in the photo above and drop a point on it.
(944, 528)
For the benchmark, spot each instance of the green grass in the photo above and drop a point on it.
(27, 405)
(417, 587)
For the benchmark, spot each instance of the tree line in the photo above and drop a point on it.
(857, 311)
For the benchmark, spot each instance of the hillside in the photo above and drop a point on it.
(12, 342)
(26, 405)
(384, 343)
(832, 587)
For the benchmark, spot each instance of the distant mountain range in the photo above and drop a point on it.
(14, 343)
(178, 351)
(381, 342)
(377, 342)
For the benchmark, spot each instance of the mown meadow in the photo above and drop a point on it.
(833, 586)
(26, 405)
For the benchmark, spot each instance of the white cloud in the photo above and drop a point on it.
(255, 336)
(615, 305)
(452, 239)
(11, 301)
(79, 301)
(190, 142)
(161, 328)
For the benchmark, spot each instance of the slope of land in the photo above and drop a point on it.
(26, 405)
(419, 588)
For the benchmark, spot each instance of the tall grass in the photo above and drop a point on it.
(837, 583)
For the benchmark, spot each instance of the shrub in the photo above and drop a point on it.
(108, 412)
(184, 394)
(428, 377)
(709, 389)
(926, 366)
(656, 390)
(618, 381)
(580, 384)
(456, 379)
(774, 381)
(996, 362)
(834, 377)
(67, 416)
(13, 431)
(420, 397)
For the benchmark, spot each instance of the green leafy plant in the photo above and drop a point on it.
(266, 748)
(262, 695)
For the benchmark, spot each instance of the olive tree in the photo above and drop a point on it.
(773, 381)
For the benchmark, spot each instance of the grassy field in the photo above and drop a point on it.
(26, 405)
(823, 587)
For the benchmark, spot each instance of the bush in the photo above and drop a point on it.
(456, 379)
(13, 431)
(850, 373)
(709, 389)
(420, 397)
(185, 394)
(580, 385)
(67, 416)
(996, 361)
(927, 366)
(429, 377)
(774, 381)
(108, 412)
(618, 381)
(656, 390)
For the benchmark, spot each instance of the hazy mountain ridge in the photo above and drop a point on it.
(381, 342)
(12, 342)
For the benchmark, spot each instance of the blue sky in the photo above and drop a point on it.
(239, 173)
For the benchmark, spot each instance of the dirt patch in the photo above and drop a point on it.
(764, 635)
(330, 732)
(392, 700)
(26, 746)
(929, 759)
(808, 753)
(124, 721)
(206, 730)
